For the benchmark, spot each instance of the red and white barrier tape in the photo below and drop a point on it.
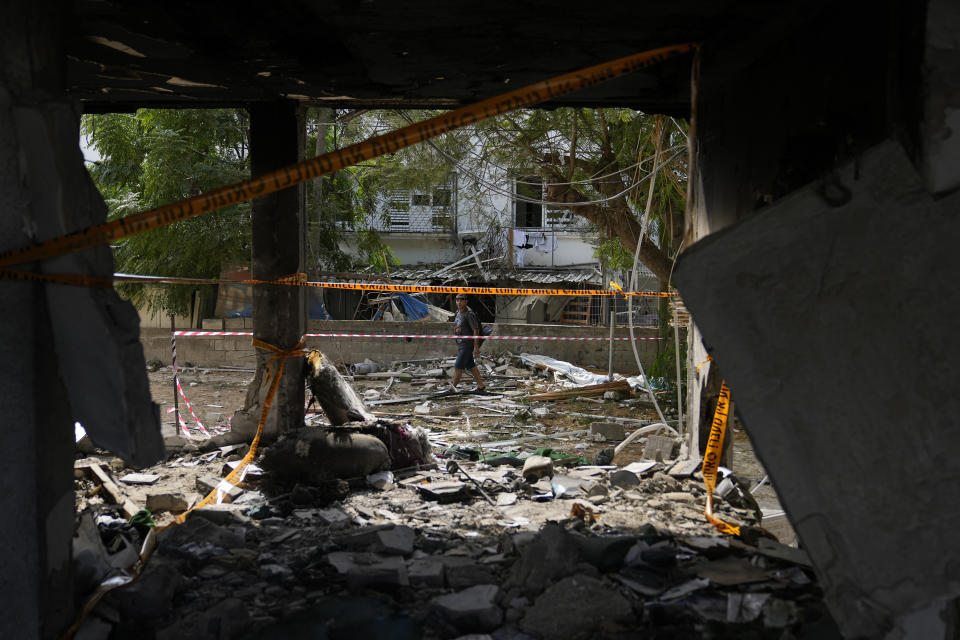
(406, 335)
(190, 408)
(183, 425)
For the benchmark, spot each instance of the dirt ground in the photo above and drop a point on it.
(466, 421)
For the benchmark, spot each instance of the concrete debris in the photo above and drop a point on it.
(562, 549)
(173, 502)
(578, 607)
(473, 609)
(613, 431)
(536, 467)
(659, 448)
(624, 479)
(139, 478)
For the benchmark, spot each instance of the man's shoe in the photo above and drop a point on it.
(482, 391)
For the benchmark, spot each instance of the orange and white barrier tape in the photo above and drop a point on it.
(407, 335)
(334, 161)
(711, 459)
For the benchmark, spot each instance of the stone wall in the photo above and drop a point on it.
(237, 351)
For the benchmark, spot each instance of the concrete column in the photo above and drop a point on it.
(36, 500)
(276, 140)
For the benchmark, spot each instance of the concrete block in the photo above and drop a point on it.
(206, 484)
(232, 324)
(426, 572)
(248, 323)
(609, 430)
(212, 324)
(473, 609)
(659, 448)
(173, 502)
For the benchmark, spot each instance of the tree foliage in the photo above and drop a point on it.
(157, 156)
(594, 163)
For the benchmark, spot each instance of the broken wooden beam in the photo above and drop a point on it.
(113, 491)
(589, 390)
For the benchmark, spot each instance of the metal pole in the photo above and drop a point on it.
(610, 365)
(676, 340)
(176, 398)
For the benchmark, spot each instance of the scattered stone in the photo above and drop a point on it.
(473, 609)
(665, 482)
(381, 481)
(536, 467)
(222, 514)
(228, 492)
(173, 502)
(615, 396)
(140, 478)
(426, 572)
(685, 468)
(624, 479)
(226, 619)
(506, 499)
(565, 486)
(577, 607)
(460, 575)
(333, 516)
(604, 457)
(609, 430)
(591, 489)
(423, 409)
(679, 496)
(642, 467)
(541, 412)
(551, 555)
(363, 569)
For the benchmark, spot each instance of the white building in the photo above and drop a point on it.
(519, 240)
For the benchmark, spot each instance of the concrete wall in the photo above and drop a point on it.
(830, 310)
(236, 351)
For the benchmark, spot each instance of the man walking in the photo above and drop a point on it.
(466, 323)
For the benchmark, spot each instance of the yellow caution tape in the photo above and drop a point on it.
(300, 280)
(280, 356)
(74, 279)
(340, 159)
(711, 459)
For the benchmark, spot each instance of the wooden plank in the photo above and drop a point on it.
(116, 495)
(589, 390)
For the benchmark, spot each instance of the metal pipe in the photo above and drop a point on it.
(610, 363)
(173, 349)
(676, 340)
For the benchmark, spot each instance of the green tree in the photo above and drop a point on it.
(157, 156)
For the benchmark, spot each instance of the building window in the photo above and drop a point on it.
(441, 197)
(527, 213)
(409, 210)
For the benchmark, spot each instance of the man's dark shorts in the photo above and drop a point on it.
(465, 358)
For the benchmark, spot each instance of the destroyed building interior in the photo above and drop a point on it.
(563, 501)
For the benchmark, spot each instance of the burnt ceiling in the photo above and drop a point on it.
(375, 53)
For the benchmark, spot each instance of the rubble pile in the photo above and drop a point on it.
(482, 523)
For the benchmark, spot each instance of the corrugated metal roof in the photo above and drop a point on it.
(471, 273)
